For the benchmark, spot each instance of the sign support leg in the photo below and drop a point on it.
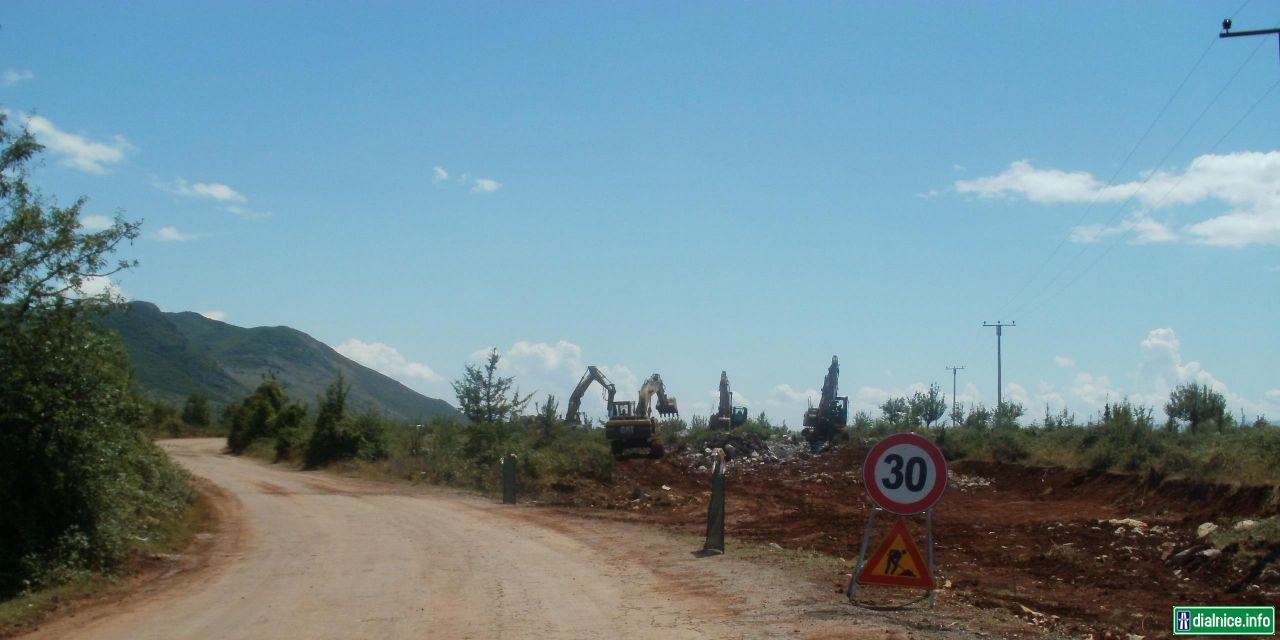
(852, 591)
(509, 479)
(715, 510)
(928, 534)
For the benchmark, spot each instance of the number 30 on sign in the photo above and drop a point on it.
(905, 474)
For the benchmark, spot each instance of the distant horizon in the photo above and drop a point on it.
(594, 407)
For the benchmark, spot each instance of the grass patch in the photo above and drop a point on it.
(1249, 544)
(25, 611)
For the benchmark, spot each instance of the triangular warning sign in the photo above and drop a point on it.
(897, 562)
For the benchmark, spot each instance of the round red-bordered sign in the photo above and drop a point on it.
(904, 474)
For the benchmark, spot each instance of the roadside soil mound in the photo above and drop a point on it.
(1070, 550)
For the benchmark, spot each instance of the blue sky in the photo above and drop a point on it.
(691, 187)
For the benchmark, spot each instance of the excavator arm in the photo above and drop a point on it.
(593, 374)
(726, 396)
(829, 385)
(651, 387)
(727, 416)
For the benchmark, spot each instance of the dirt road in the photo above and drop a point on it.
(312, 555)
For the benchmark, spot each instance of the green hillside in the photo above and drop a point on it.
(178, 354)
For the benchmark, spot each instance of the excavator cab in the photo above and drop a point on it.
(840, 410)
(622, 410)
(739, 416)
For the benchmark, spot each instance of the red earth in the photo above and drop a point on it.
(1034, 541)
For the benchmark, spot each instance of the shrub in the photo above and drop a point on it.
(80, 485)
(266, 413)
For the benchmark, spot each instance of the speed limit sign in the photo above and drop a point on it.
(904, 474)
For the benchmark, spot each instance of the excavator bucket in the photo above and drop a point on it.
(667, 407)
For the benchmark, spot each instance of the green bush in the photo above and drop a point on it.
(80, 484)
(1124, 440)
(266, 414)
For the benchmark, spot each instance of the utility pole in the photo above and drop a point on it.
(1226, 31)
(999, 324)
(953, 371)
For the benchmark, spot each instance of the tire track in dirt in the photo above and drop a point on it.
(312, 555)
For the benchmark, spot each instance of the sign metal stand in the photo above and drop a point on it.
(905, 475)
(852, 591)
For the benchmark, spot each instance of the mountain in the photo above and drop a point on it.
(177, 354)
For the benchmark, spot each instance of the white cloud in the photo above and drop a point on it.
(1017, 393)
(1163, 362)
(10, 77)
(785, 393)
(207, 190)
(172, 234)
(928, 195)
(1095, 391)
(1064, 361)
(94, 286)
(1046, 186)
(386, 360)
(214, 315)
(554, 368)
(737, 398)
(76, 151)
(441, 176)
(1274, 393)
(247, 214)
(95, 223)
(1247, 182)
(1146, 231)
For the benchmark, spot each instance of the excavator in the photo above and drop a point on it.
(593, 374)
(727, 416)
(823, 422)
(631, 425)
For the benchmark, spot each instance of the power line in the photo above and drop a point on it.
(1036, 302)
(1166, 195)
(1121, 207)
(1111, 181)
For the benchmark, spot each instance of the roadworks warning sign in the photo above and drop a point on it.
(897, 562)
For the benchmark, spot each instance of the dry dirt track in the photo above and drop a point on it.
(311, 555)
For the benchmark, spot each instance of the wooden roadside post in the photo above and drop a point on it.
(509, 479)
(715, 510)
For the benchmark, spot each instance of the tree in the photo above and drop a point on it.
(1007, 414)
(47, 262)
(1201, 408)
(196, 411)
(548, 418)
(324, 444)
(978, 417)
(896, 410)
(267, 413)
(928, 407)
(482, 393)
(80, 484)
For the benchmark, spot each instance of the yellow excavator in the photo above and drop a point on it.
(727, 416)
(631, 425)
(823, 422)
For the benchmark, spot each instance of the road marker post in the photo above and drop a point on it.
(509, 479)
(905, 475)
(715, 510)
